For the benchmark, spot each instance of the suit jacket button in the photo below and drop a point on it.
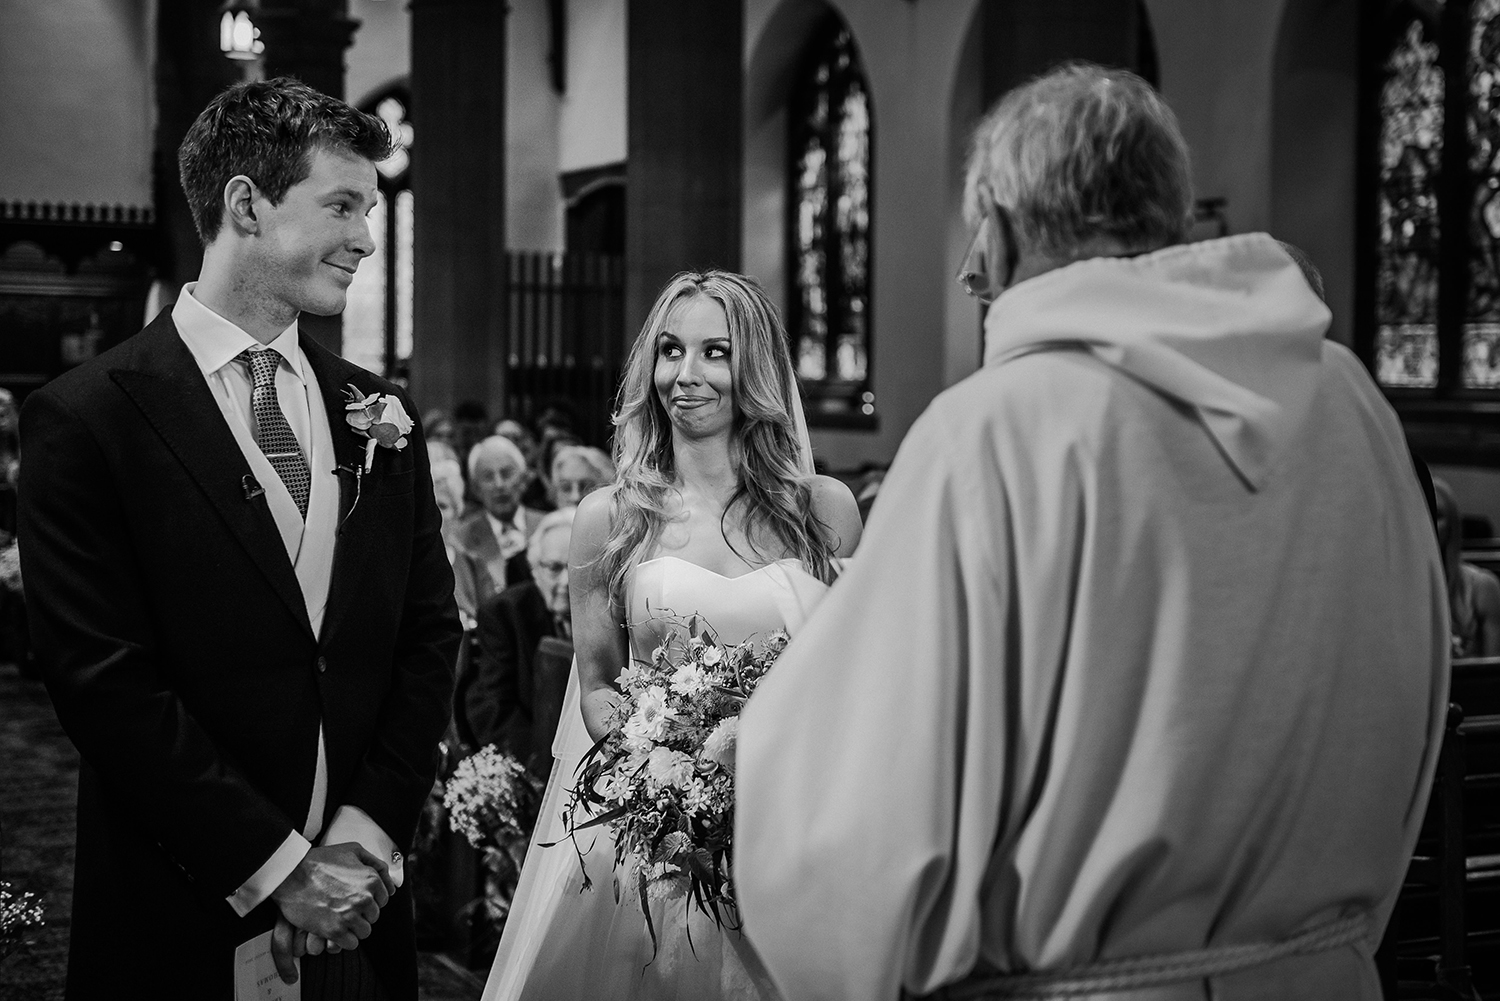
(322, 665)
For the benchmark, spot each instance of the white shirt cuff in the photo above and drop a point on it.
(269, 876)
(350, 823)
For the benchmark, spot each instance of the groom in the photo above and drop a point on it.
(245, 619)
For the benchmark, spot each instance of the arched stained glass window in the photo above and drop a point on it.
(1481, 342)
(378, 317)
(1411, 149)
(830, 147)
(1433, 273)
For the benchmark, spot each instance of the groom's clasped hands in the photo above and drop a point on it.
(330, 901)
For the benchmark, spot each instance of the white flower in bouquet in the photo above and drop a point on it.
(696, 799)
(690, 680)
(652, 716)
(719, 745)
(613, 787)
(670, 768)
(631, 678)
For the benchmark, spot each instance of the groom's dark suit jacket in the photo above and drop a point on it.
(175, 642)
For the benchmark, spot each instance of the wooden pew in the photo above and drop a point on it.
(1444, 938)
(1475, 686)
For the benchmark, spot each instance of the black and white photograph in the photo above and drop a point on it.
(750, 500)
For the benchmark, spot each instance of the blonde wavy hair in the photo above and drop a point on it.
(770, 441)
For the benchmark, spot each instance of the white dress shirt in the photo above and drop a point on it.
(216, 344)
(512, 537)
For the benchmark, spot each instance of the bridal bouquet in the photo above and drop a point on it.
(492, 800)
(663, 777)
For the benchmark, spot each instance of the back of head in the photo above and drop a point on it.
(1308, 268)
(267, 130)
(595, 459)
(1078, 154)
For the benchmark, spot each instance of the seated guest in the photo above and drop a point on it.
(495, 536)
(438, 428)
(441, 451)
(499, 696)
(576, 472)
(536, 491)
(448, 491)
(1473, 592)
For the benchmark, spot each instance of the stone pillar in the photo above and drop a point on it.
(460, 303)
(306, 39)
(190, 70)
(1023, 38)
(685, 152)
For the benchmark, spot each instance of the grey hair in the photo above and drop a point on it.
(595, 459)
(1079, 153)
(495, 443)
(561, 518)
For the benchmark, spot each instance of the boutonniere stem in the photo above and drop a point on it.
(358, 472)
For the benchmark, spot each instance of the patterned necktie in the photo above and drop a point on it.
(272, 432)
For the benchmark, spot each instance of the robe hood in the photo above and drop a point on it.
(1227, 327)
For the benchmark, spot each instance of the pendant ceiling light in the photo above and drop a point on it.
(239, 38)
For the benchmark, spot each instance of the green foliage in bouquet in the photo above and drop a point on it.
(662, 778)
(19, 913)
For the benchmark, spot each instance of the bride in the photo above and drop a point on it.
(715, 512)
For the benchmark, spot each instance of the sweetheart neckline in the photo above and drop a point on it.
(747, 573)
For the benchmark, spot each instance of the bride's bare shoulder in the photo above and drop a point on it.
(592, 523)
(834, 505)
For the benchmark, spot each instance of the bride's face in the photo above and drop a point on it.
(693, 380)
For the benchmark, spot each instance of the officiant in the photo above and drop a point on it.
(1136, 684)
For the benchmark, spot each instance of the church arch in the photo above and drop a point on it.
(808, 201)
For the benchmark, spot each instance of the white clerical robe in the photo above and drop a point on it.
(1144, 650)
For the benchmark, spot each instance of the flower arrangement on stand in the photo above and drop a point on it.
(10, 564)
(663, 777)
(492, 800)
(20, 913)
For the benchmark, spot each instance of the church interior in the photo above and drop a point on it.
(557, 161)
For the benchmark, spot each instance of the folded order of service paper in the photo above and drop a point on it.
(255, 976)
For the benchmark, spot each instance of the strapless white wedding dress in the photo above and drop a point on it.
(563, 943)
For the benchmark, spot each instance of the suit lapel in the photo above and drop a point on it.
(334, 375)
(162, 379)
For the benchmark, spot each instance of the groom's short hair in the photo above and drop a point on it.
(1079, 153)
(268, 131)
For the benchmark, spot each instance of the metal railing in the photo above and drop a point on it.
(567, 340)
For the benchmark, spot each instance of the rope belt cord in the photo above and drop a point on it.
(1154, 971)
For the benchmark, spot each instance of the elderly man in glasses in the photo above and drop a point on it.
(501, 692)
(1136, 686)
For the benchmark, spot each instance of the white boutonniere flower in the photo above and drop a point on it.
(381, 419)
